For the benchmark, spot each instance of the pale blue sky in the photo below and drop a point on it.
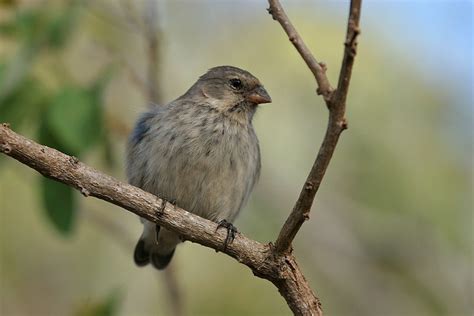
(439, 33)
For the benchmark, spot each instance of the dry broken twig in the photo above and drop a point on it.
(274, 263)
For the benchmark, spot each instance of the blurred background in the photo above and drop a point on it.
(391, 229)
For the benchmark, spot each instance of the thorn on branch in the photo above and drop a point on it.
(356, 29)
(84, 191)
(351, 42)
(5, 148)
(324, 66)
(73, 160)
(353, 50)
(309, 186)
(306, 215)
(272, 13)
(344, 124)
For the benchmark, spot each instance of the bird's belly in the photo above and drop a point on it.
(211, 188)
(209, 174)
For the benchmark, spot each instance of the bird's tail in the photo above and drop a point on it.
(155, 246)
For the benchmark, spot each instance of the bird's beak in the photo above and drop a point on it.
(259, 95)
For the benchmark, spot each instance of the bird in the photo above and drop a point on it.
(199, 152)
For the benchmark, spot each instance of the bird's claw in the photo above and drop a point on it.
(162, 207)
(231, 231)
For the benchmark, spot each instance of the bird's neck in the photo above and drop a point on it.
(241, 113)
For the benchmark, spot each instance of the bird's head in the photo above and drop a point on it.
(231, 91)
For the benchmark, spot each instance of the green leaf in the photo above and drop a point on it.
(61, 26)
(108, 151)
(60, 205)
(108, 307)
(8, 3)
(97, 89)
(28, 23)
(75, 118)
(58, 199)
(23, 103)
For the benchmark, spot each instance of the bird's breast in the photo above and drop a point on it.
(211, 167)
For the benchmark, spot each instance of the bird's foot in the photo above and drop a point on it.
(231, 231)
(162, 207)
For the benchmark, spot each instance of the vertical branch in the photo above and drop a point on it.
(152, 34)
(350, 51)
(336, 103)
(146, 24)
(174, 290)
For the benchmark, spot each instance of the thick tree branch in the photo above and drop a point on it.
(336, 103)
(281, 270)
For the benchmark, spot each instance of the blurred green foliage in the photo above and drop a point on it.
(108, 307)
(71, 115)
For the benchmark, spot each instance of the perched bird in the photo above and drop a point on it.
(199, 151)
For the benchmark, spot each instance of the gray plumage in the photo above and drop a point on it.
(199, 151)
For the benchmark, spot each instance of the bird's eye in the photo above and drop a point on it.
(236, 84)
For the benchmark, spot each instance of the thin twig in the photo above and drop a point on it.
(282, 271)
(174, 292)
(152, 34)
(336, 103)
(146, 24)
(350, 52)
(130, 16)
(318, 69)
